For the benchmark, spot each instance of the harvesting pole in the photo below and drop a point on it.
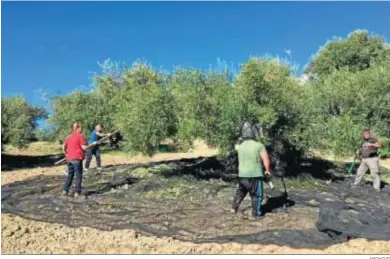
(357, 155)
(353, 164)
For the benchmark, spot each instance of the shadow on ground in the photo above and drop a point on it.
(190, 199)
(14, 162)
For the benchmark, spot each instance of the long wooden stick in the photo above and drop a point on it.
(89, 146)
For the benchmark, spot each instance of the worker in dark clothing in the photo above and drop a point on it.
(370, 159)
(250, 172)
(96, 135)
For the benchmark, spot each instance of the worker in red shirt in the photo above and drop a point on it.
(73, 149)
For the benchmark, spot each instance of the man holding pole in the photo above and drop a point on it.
(250, 155)
(73, 149)
(96, 135)
(370, 159)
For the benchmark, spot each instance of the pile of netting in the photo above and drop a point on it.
(190, 199)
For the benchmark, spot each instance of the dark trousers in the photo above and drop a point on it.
(95, 151)
(255, 188)
(75, 168)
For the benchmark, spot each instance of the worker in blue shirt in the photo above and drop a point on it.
(96, 135)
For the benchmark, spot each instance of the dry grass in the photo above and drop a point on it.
(38, 148)
(385, 163)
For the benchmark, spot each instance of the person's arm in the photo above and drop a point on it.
(265, 158)
(83, 143)
(266, 161)
(376, 144)
(102, 134)
(64, 146)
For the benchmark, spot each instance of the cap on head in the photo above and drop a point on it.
(247, 131)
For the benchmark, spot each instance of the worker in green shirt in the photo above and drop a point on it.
(250, 172)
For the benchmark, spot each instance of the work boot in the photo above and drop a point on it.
(77, 195)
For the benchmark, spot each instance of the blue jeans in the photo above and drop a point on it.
(90, 152)
(75, 168)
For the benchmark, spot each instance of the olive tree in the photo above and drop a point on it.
(269, 92)
(87, 108)
(143, 109)
(339, 106)
(206, 107)
(359, 51)
(19, 120)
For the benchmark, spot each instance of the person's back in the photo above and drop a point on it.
(250, 174)
(73, 148)
(249, 162)
(74, 144)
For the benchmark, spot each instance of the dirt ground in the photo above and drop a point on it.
(26, 236)
(22, 236)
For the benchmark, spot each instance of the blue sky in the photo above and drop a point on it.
(55, 46)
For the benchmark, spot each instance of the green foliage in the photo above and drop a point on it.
(206, 107)
(351, 92)
(342, 104)
(45, 134)
(175, 190)
(209, 106)
(268, 91)
(88, 108)
(18, 121)
(143, 110)
(359, 51)
(384, 151)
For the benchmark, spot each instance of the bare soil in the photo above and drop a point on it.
(23, 236)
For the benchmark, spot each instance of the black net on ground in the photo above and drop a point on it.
(12, 162)
(190, 199)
